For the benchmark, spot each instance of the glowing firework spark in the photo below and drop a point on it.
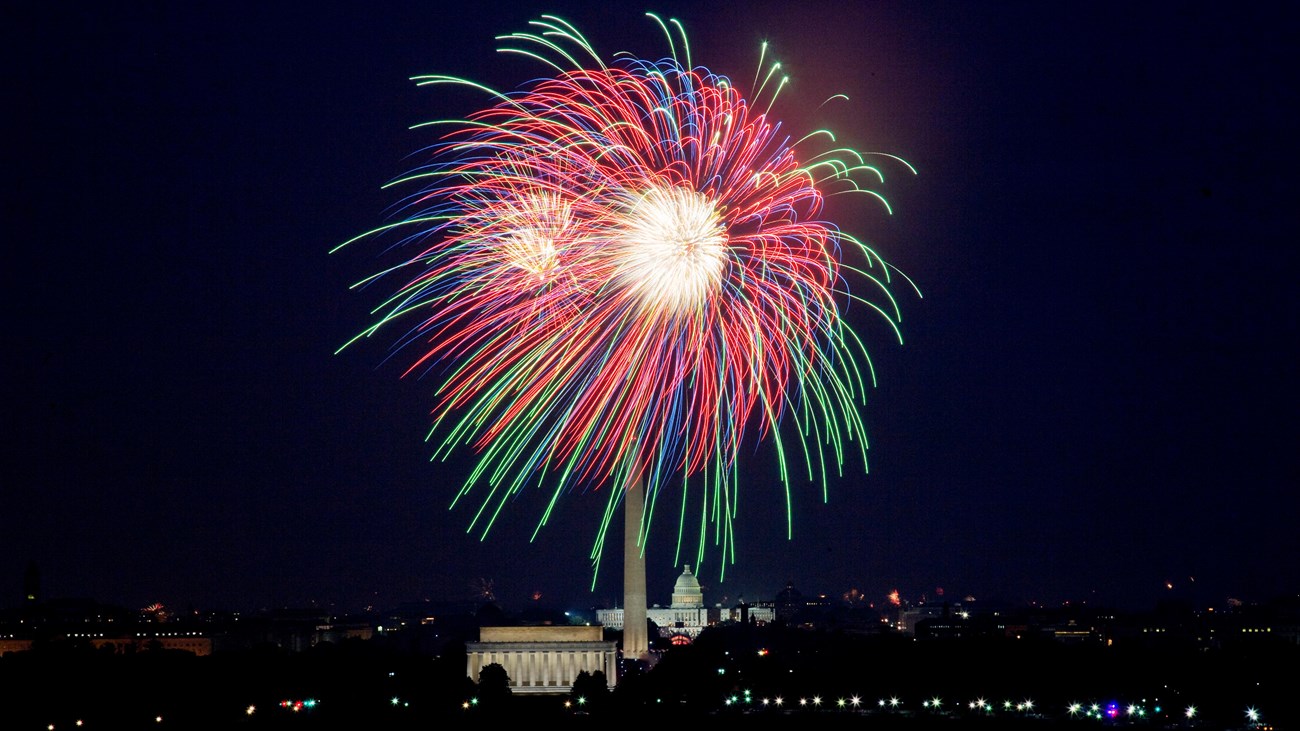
(623, 269)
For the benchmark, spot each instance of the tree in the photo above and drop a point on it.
(493, 687)
(590, 690)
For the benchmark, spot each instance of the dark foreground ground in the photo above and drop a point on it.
(527, 714)
(721, 680)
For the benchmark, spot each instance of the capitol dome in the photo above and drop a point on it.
(687, 592)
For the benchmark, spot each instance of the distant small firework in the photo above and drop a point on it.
(482, 589)
(621, 272)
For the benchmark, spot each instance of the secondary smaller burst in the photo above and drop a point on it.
(534, 234)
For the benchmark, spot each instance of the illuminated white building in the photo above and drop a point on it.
(542, 660)
(686, 617)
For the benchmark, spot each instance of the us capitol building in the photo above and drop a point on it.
(687, 616)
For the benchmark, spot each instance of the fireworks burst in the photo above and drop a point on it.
(621, 273)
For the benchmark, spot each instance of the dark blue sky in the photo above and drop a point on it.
(1096, 395)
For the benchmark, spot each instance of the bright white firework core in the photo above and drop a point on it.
(672, 250)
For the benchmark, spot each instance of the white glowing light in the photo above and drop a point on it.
(532, 232)
(531, 250)
(672, 249)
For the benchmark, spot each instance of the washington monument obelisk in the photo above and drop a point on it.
(636, 643)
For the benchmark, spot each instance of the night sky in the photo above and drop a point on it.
(1096, 394)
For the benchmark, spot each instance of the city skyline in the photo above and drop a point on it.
(483, 591)
(1092, 400)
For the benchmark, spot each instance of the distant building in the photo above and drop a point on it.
(141, 642)
(744, 613)
(11, 644)
(683, 620)
(797, 610)
(789, 602)
(910, 617)
(1073, 632)
(543, 659)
